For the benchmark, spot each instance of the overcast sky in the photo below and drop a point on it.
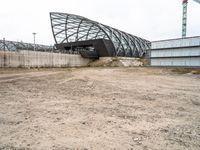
(149, 19)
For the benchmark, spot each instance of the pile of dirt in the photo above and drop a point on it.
(116, 62)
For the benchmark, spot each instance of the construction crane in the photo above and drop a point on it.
(184, 21)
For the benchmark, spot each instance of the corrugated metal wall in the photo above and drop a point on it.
(186, 42)
(177, 52)
(190, 51)
(187, 62)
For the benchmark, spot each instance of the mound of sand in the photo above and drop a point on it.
(116, 62)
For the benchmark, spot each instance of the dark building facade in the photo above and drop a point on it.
(93, 39)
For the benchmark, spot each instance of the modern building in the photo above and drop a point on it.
(75, 33)
(183, 52)
(14, 46)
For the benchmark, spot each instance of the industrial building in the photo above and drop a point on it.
(94, 39)
(183, 52)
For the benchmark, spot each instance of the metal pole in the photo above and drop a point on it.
(34, 40)
(4, 44)
(184, 20)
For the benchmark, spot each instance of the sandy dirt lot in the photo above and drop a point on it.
(99, 108)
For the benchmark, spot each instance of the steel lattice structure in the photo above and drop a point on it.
(13, 46)
(72, 28)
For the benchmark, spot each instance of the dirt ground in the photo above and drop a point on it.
(99, 108)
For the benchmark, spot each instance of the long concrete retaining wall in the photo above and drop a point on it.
(40, 59)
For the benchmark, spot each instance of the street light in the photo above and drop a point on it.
(4, 44)
(34, 39)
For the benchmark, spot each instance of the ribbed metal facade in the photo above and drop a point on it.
(176, 52)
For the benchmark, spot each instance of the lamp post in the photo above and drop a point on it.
(34, 39)
(4, 44)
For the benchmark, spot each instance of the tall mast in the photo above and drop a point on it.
(184, 21)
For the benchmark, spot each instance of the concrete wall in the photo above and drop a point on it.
(40, 59)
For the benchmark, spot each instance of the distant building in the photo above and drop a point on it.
(183, 52)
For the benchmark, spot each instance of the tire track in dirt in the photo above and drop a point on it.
(9, 78)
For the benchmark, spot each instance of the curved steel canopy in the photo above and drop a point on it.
(13, 46)
(72, 28)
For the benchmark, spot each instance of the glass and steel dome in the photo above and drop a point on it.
(73, 28)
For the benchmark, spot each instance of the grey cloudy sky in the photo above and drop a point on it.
(149, 19)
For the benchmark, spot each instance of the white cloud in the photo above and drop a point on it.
(153, 20)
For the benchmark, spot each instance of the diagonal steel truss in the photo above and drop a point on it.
(72, 28)
(13, 46)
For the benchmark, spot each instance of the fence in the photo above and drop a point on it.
(26, 58)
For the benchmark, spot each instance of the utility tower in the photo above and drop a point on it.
(184, 21)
